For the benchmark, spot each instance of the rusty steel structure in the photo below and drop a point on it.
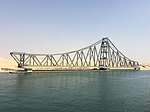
(103, 53)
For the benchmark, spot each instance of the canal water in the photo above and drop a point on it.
(88, 91)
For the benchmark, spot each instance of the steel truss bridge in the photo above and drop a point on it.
(103, 53)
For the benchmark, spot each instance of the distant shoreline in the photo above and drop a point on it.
(7, 65)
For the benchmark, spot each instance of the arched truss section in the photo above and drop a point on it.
(103, 53)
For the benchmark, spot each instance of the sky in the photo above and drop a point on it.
(54, 26)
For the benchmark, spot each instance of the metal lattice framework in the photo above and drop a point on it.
(103, 53)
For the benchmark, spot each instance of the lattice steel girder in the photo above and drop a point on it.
(102, 53)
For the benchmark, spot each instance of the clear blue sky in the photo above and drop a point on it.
(52, 26)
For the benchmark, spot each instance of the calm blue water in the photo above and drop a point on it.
(111, 91)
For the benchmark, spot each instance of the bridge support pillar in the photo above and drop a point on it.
(22, 58)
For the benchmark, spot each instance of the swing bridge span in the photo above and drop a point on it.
(102, 54)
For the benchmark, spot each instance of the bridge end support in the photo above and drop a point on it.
(137, 68)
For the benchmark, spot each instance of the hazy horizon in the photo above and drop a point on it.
(53, 26)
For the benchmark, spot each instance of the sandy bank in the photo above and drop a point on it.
(11, 64)
(145, 67)
(7, 64)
